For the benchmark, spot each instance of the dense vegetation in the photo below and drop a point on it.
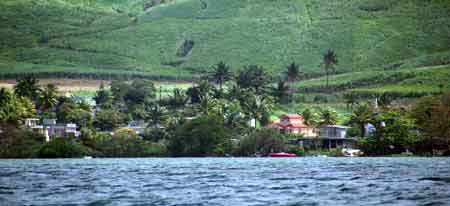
(299, 56)
(208, 120)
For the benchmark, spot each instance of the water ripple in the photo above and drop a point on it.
(221, 181)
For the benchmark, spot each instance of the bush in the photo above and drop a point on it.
(63, 148)
(17, 143)
(204, 136)
(297, 149)
(262, 141)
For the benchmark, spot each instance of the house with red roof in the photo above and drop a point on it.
(294, 124)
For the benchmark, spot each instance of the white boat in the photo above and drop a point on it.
(87, 157)
(351, 152)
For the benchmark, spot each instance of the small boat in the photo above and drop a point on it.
(87, 157)
(351, 152)
(282, 154)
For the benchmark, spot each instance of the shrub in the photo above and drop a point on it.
(297, 149)
(17, 143)
(204, 136)
(262, 141)
(62, 148)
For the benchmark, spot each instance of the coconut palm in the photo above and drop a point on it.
(293, 72)
(328, 116)
(178, 98)
(48, 97)
(329, 61)
(156, 116)
(253, 77)
(309, 117)
(257, 106)
(27, 86)
(221, 73)
(361, 115)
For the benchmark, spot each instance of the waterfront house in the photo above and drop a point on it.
(335, 136)
(50, 128)
(34, 125)
(327, 137)
(294, 124)
(333, 131)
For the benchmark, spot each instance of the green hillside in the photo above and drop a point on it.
(182, 38)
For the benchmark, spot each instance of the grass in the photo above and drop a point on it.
(116, 38)
(422, 81)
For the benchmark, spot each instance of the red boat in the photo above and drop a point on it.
(282, 154)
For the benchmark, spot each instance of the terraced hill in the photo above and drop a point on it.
(182, 38)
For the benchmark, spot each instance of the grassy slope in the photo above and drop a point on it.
(420, 81)
(100, 36)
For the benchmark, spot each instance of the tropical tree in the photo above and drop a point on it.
(262, 141)
(178, 98)
(48, 97)
(257, 106)
(203, 136)
(328, 116)
(204, 88)
(310, 117)
(432, 115)
(281, 92)
(329, 61)
(138, 92)
(393, 135)
(207, 103)
(293, 72)
(221, 73)
(157, 115)
(108, 119)
(102, 96)
(254, 77)
(14, 109)
(27, 86)
(362, 115)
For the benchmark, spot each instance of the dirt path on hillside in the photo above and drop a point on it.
(68, 85)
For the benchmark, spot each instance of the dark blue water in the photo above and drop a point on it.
(226, 181)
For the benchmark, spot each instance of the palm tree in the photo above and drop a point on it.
(281, 92)
(178, 99)
(361, 115)
(5, 95)
(328, 116)
(254, 77)
(293, 72)
(102, 95)
(195, 93)
(156, 116)
(309, 117)
(257, 106)
(27, 86)
(48, 97)
(221, 74)
(329, 61)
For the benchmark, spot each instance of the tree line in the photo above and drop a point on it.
(224, 113)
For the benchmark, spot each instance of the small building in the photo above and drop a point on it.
(51, 129)
(329, 137)
(333, 131)
(34, 125)
(294, 124)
